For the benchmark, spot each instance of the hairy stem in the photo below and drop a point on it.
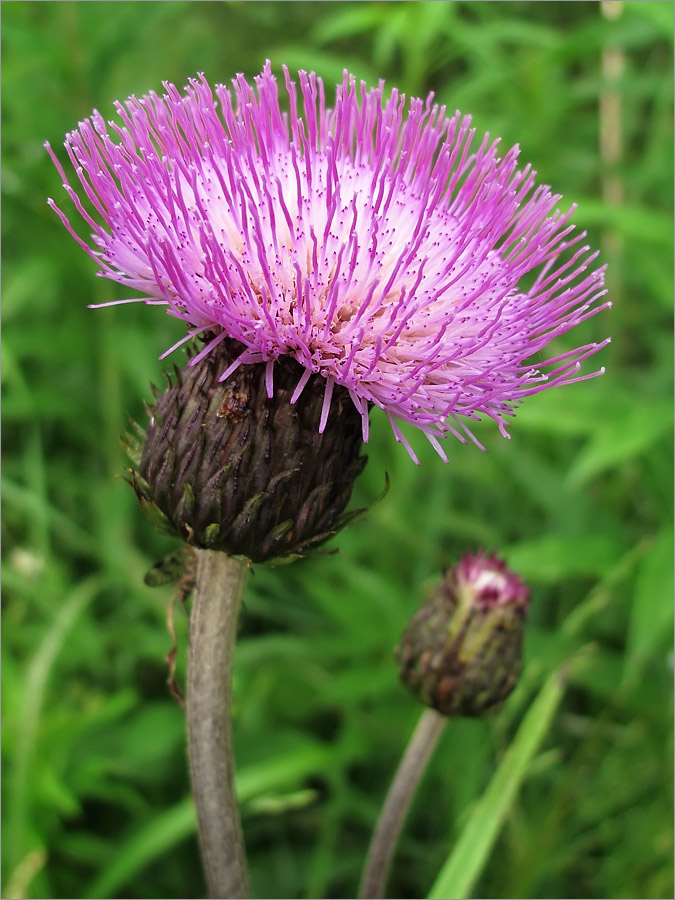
(213, 628)
(396, 806)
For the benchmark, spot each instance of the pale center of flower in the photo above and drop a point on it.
(334, 229)
(340, 257)
(319, 243)
(490, 581)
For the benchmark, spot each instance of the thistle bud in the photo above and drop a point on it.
(461, 652)
(226, 467)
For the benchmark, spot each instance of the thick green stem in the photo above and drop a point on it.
(396, 806)
(213, 628)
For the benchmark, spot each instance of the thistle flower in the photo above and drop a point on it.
(461, 652)
(377, 243)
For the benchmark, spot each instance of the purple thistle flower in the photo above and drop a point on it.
(374, 242)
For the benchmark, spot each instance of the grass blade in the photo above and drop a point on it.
(466, 860)
(171, 827)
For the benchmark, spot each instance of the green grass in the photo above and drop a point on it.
(95, 785)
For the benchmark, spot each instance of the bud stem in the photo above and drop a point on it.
(213, 628)
(396, 806)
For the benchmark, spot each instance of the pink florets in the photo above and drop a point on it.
(489, 581)
(371, 242)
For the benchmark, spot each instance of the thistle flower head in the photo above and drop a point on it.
(461, 651)
(378, 243)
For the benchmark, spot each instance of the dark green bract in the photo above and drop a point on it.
(225, 467)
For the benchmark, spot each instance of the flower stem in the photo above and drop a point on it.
(213, 628)
(396, 806)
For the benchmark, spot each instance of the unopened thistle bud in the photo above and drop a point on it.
(226, 466)
(461, 652)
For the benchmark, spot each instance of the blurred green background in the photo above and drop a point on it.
(579, 501)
